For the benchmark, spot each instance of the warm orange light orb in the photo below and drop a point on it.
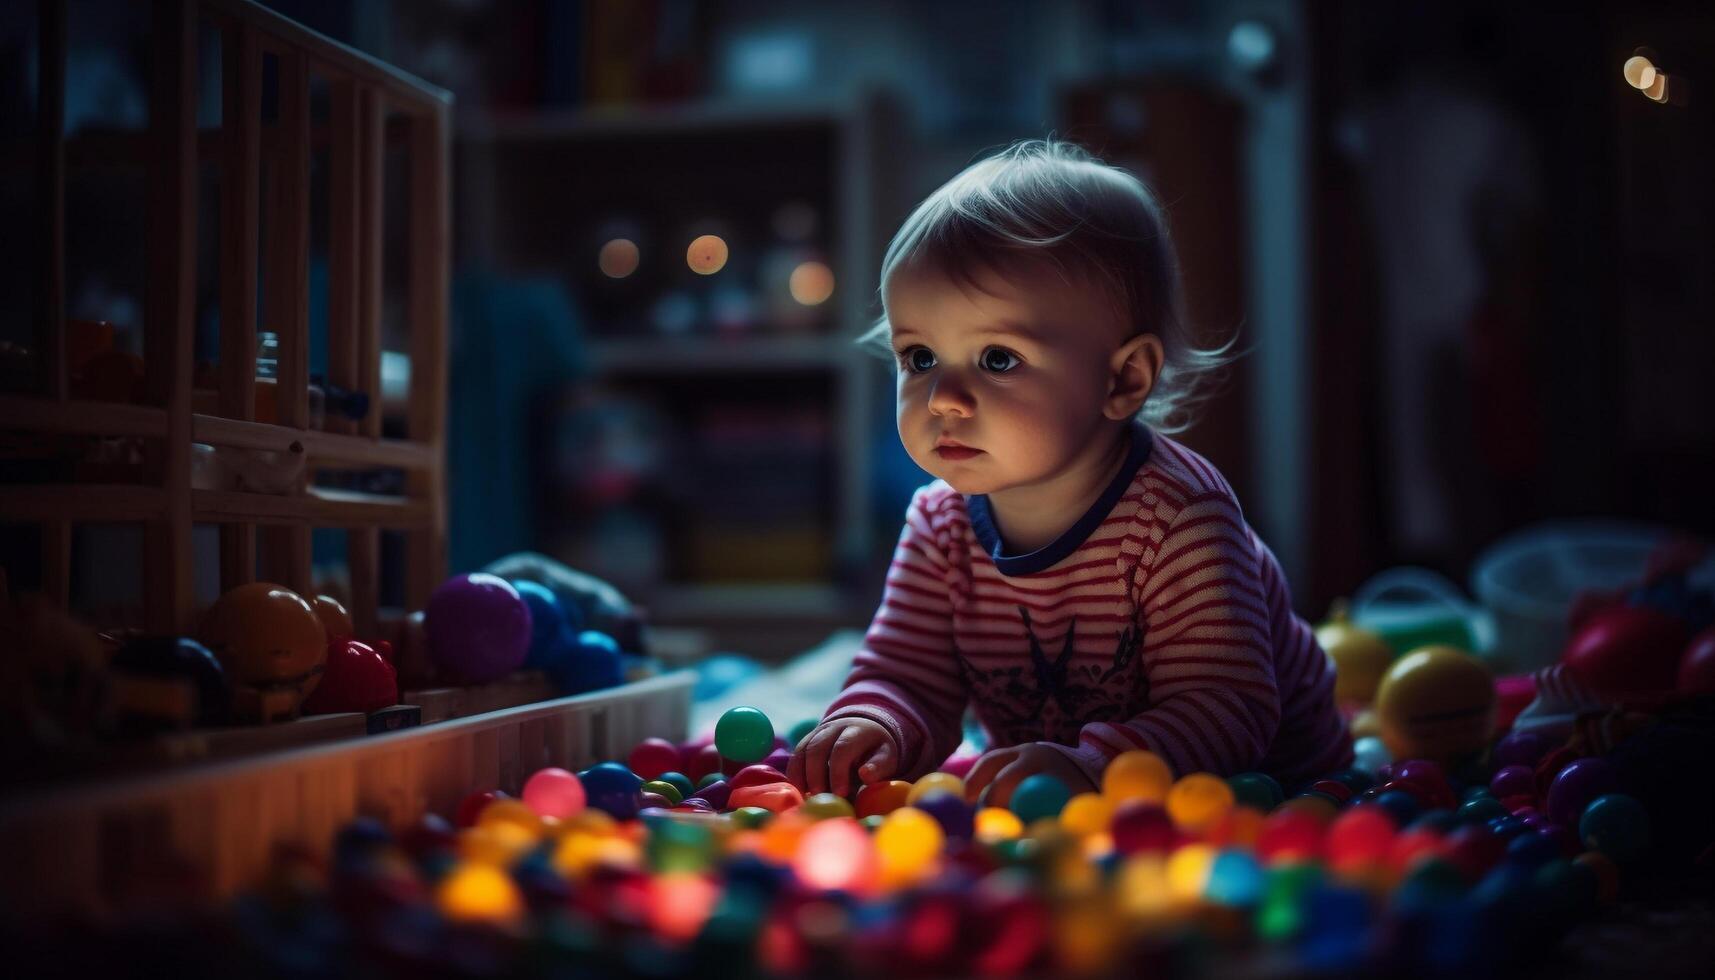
(1639, 71)
(1198, 800)
(479, 893)
(1087, 813)
(1137, 775)
(836, 854)
(618, 258)
(707, 255)
(811, 283)
(995, 823)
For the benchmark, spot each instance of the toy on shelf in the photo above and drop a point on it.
(478, 627)
(167, 682)
(273, 646)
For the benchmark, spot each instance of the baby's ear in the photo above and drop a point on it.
(1132, 373)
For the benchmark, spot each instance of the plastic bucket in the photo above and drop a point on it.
(1528, 579)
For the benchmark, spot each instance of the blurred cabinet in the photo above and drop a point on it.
(714, 462)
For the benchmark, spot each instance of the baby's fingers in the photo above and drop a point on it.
(853, 746)
(882, 764)
(991, 763)
(809, 766)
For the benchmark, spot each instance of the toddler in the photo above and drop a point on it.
(1089, 584)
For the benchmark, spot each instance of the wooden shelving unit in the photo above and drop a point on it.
(371, 103)
(498, 155)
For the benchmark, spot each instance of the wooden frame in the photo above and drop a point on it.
(365, 93)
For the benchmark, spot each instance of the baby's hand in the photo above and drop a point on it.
(825, 759)
(1001, 770)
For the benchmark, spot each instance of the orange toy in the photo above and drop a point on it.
(272, 645)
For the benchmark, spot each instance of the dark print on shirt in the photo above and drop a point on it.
(1050, 700)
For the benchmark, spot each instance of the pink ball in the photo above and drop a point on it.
(960, 765)
(554, 792)
(652, 757)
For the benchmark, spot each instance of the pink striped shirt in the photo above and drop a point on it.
(1159, 621)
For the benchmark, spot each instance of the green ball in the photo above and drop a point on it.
(744, 735)
(872, 822)
(1256, 789)
(1039, 796)
(680, 781)
(1617, 825)
(710, 779)
(664, 788)
(825, 805)
(751, 817)
(800, 731)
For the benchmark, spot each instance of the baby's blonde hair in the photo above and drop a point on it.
(1047, 200)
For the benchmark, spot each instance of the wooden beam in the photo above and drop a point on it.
(241, 181)
(426, 558)
(170, 309)
(344, 231)
(51, 261)
(363, 544)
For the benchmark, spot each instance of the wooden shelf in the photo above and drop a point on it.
(319, 506)
(700, 355)
(118, 503)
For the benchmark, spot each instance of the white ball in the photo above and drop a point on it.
(1371, 754)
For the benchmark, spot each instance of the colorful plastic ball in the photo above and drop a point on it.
(1616, 825)
(335, 620)
(479, 892)
(1532, 849)
(1481, 810)
(472, 805)
(152, 660)
(1087, 813)
(1256, 789)
(935, 782)
(1696, 675)
(1235, 879)
(1141, 826)
(478, 627)
(1335, 790)
(1523, 747)
(1198, 800)
(1627, 651)
(355, 678)
(717, 794)
(751, 817)
(824, 806)
(956, 817)
(993, 824)
(744, 734)
(800, 731)
(1474, 850)
(266, 635)
(1436, 703)
(907, 843)
(1359, 839)
(836, 855)
(1429, 777)
(880, 799)
(589, 661)
(1576, 785)
(1137, 775)
(758, 774)
(702, 761)
(709, 779)
(1360, 658)
(612, 789)
(1353, 779)
(1513, 780)
(546, 619)
(778, 797)
(1399, 805)
(1039, 795)
(1606, 873)
(665, 790)
(652, 757)
(1370, 754)
(779, 758)
(554, 792)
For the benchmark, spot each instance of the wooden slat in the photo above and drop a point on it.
(287, 551)
(50, 197)
(90, 504)
(320, 447)
(26, 414)
(241, 178)
(331, 56)
(170, 308)
(320, 507)
(426, 559)
(344, 230)
(363, 545)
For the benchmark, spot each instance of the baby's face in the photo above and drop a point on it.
(1000, 386)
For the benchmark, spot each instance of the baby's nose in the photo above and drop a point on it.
(949, 397)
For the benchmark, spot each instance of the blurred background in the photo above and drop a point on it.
(1466, 246)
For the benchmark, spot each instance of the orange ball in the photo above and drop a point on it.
(880, 799)
(1200, 799)
(774, 797)
(334, 618)
(266, 635)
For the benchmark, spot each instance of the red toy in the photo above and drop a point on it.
(357, 678)
(1627, 651)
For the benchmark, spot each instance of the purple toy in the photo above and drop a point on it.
(1576, 785)
(1523, 748)
(478, 627)
(1513, 781)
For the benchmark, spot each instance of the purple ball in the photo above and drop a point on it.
(779, 758)
(714, 794)
(1576, 785)
(1513, 781)
(957, 819)
(1525, 748)
(478, 627)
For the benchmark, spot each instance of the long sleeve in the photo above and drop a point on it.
(906, 675)
(1208, 658)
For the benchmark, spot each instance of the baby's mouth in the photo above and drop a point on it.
(950, 450)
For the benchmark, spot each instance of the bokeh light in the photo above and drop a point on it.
(618, 258)
(812, 283)
(479, 893)
(707, 254)
(1639, 72)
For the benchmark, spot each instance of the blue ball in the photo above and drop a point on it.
(547, 620)
(1039, 796)
(1400, 805)
(613, 789)
(589, 661)
(1533, 850)
(1617, 825)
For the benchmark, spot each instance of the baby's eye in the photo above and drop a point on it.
(999, 360)
(917, 359)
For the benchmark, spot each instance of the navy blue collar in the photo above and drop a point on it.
(982, 518)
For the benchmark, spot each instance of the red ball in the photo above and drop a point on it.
(356, 678)
(471, 807)
(1428, 774)
(1333, 787)
(1142, 827)
(1289, 835)
(701, 762)
(1474, 850)
(756, 775)
(1360, 838)
(1697, 665)
(652, 757)
(1627, 651)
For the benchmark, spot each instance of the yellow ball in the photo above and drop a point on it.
(995, 824)
(1198, 800)
(1360, 657)
(906, 842)
(936, 782)
(479, 893)
(1087, 813)
(1188, 870)
(1137, 775)
(1436, 702)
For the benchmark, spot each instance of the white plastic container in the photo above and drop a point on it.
(1528, 579)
